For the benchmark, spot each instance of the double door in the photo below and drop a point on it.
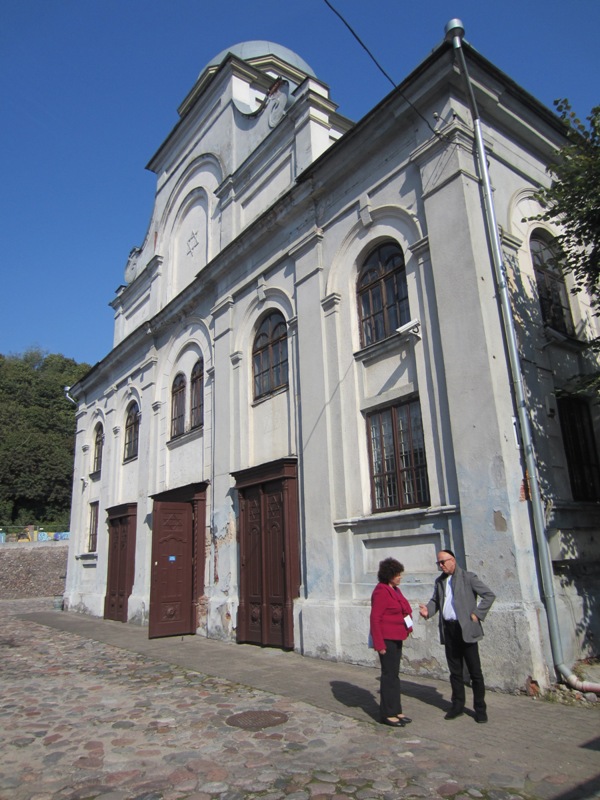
(121, 560)
(269, 554)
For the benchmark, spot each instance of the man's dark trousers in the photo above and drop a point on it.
(457, 652)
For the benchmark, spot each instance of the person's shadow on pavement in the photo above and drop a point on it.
(352, 696)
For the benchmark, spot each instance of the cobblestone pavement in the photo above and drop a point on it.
(82, 718)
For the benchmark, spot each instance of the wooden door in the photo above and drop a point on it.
(171, 599)
(121, 560)
(269, 558)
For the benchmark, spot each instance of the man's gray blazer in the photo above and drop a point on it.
(466, 588)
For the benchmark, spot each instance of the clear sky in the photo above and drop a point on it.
(89, 90)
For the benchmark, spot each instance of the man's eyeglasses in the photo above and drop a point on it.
(443, 561)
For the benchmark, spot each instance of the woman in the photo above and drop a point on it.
(391, 622)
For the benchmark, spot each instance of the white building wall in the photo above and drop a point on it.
(231, 238)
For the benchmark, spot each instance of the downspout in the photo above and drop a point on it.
(454, 32)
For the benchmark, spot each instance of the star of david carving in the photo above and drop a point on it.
(192, 243)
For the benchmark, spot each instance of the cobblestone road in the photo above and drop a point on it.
(82, 719)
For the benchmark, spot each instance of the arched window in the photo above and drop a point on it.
(98, 447)
(197, 393)
(382, 293)
(132, 431)
(269, 356)
(178, 406)
(553, 294)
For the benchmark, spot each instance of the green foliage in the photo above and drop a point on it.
(573, 199)
(37, 432)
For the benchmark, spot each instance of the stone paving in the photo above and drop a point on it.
(83, 719)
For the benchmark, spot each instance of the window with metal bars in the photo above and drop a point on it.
(197, 395)
(580, 448)
(98, 448)
(398, 463)
(552, 291)
(93, 528)
(270, 356)
(382, 293)
(178, 406)
(132, 431)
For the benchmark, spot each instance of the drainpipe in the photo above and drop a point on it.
(454, 32)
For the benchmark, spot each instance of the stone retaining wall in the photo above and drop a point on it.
(32, 569)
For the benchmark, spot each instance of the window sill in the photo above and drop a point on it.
(184, 438)
(384, 347)
(87, 559)
(95, 476)
(563, 340)
(265, 397)
(358, 524)
(130, 459)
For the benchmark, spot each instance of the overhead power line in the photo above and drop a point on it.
(380, 68)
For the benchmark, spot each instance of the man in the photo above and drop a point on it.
(455, 597)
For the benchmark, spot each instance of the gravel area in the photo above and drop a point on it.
(32, 570)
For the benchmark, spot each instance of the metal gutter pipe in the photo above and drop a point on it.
(454, 32)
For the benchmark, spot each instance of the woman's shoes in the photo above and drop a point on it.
(393, 722)
(403, 718)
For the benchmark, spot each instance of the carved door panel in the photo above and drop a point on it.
(121, 561)
(274, 621)
(171, 589)
(269, 563)
(252, 566)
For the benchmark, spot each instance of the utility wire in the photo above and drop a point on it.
(381, 69)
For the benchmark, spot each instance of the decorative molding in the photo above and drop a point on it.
(236, 357)
(364, 210)
(331, 303)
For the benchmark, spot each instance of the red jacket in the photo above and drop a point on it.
(388, 609)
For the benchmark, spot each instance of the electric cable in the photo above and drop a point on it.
(381, 69)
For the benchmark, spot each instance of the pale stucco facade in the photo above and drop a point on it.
(268, 201)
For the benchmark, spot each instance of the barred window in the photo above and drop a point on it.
(580, 448)
(178, 406)
(132, 431)
(197, 395)
(552, 291)
(382, 294)
(98, 448)
(398, 464)
(93, 528)
(270, 356)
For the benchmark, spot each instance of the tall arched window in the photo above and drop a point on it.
(269, 356)
(197, 395)
(98, 447)
(132, 431)
(178, 406)
(553, 294)
(382, 293)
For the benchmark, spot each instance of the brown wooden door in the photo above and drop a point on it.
(269, 563)
(171, 589)
(121, 560)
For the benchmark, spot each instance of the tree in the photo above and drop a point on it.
(573, 199)
(37, 432)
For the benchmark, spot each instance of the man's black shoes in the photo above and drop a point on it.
(481, 716)
(454, 712)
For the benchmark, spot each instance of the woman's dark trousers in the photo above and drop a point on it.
(390, 704)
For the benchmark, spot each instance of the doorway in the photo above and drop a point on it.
(177, 574)
(269, 553)
(121, 560)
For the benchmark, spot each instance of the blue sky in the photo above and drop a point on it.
(89, 90)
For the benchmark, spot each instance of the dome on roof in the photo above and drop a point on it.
(255, 49)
